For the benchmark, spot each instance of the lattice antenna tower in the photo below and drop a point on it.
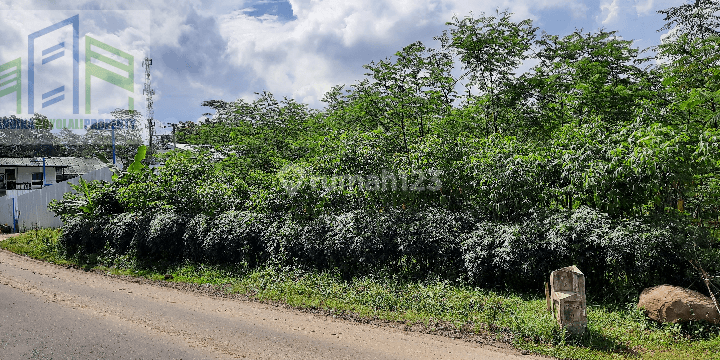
(149, 92)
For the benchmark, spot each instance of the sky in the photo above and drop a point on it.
(225, 50)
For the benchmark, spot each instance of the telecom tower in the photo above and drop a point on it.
(149, 92)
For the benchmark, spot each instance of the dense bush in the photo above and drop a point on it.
(352, 242)
(196, 230)
(234, 236)
(81, 236)
(138, 247)
(360, 241)
(429, 239)
(120, 231)
(619, 258)
(164, 237)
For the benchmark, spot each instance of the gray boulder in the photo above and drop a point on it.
(666, 303)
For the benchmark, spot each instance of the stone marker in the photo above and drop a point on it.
(566, 299)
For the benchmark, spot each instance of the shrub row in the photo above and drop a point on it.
(618, 257)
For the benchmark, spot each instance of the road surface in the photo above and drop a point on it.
(48, 311)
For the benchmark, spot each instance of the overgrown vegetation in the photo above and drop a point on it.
(433, 305)
(596, 157)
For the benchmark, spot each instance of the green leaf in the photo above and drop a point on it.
(137, 165)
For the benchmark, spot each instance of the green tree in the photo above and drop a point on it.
(28, 137)
(689, 58)
(490, 50)
(262, 131)
(588, 77)
(127, 134)
(406, 96)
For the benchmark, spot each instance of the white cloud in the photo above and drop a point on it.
(330, 40)
(205, 49)
(578, 10)
(644, 8)
(610, 11)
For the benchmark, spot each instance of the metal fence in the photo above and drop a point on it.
(31, 209)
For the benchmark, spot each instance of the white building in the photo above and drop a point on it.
(21, 175)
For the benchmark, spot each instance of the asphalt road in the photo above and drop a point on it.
(50, 312)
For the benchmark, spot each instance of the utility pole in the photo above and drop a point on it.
(174, 141)
(149, 92)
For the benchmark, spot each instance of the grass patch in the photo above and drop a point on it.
(38, 244)
(613, 332)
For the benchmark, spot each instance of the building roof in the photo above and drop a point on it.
(72, 165)
(215, 155)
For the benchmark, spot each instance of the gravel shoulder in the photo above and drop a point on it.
(49, 309)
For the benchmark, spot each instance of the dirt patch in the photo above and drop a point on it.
(6, 236)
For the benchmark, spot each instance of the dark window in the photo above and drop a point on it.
(37, 179)
(10, 174)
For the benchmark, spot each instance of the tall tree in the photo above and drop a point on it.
(587, 77)
(408, 93)
(490, 50)
(128, 136)
(262, 131)
(27, 137)
(689, 58)
(699, 19)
